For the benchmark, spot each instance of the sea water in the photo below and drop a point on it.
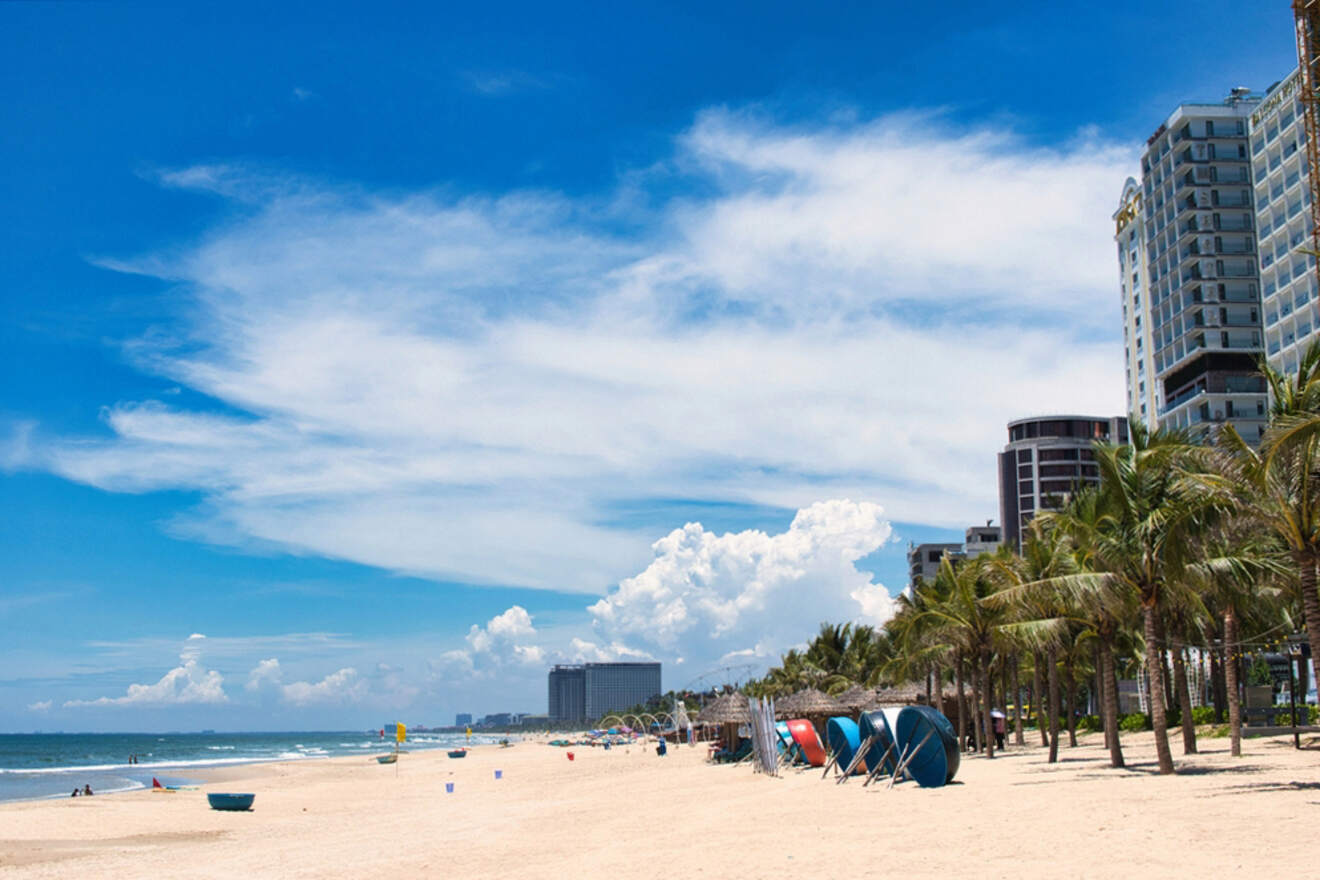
(50, 765)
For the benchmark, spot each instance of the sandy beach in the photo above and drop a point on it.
(610, 813)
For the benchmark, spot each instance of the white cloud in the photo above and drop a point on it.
(265, 671)
(342, 686)
(186, 683)
(421, 382)
(337, 687)
(749, 595)
(502, 640)
(39, 706)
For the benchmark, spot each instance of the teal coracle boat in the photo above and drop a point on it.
(230, 802)
(458, 753)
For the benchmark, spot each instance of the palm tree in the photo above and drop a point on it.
(1038, 619)
(970, 625)
(1279, 483)
(1141, 539)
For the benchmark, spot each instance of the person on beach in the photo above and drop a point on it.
(87, 791)
(75, 793)
(1001, 726)
(661, 747)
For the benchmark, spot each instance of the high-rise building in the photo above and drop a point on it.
(1046, 460)
(463, 719)
(1283, 224)
(1190, 284)
(568, 694)
(593, 690)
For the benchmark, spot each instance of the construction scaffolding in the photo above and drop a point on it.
(1307, 16)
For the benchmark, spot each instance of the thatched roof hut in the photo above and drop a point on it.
(726, 709)
(810, 703)
(857, 697)
(905, 695)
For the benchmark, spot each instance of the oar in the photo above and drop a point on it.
(857, 758)
(880, 767)
(902, 765)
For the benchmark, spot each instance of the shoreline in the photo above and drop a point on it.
(206, 770)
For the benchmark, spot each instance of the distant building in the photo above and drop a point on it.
(1045, 461)
(568, 693)
(924, 559)
(499, 719)
(592, 690)
(982, 539)
(463, 719)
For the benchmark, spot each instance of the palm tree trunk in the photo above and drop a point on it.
(1310, 605)
(1096, 685)
(1017, 702)
(976, 704)
(1109, 691)
(1231, 685)
(986, 675)
(939, 689)
(1072, 699)
(1217, 672)
(1039, 698)
(1184, 702)
(1053, 673)
(962, 702)
(1159, 718)
(928, 685)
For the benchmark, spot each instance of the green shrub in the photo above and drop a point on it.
(1135, 722)
(1203, 715)
(1217, 731)
(1089, 722)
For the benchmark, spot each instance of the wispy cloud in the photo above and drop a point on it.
(423, 381)
(498, 83)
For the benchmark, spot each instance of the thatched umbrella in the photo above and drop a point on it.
(729, 710)
(809, 703)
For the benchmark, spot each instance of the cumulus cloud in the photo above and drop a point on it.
(337, 687)
(420, 381)
(342, 686)
(503, 640)
(186, 683)
(40, 706)
(749, 595)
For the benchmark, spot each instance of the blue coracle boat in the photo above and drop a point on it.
(232, 802)
(844, 739)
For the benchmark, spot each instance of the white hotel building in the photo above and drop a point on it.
(1189, 276)
(1283, 224)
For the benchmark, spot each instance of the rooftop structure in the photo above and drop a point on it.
(1047, 458)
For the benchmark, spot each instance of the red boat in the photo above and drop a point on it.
(808, 741)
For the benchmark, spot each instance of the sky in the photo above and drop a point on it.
(358, 363)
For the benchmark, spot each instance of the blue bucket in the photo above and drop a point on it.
(449, 788)
(499, 774)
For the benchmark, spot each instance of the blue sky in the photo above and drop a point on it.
(354, 361)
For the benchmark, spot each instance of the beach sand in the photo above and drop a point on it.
(631, 813)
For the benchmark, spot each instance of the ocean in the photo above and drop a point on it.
(51, 765)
